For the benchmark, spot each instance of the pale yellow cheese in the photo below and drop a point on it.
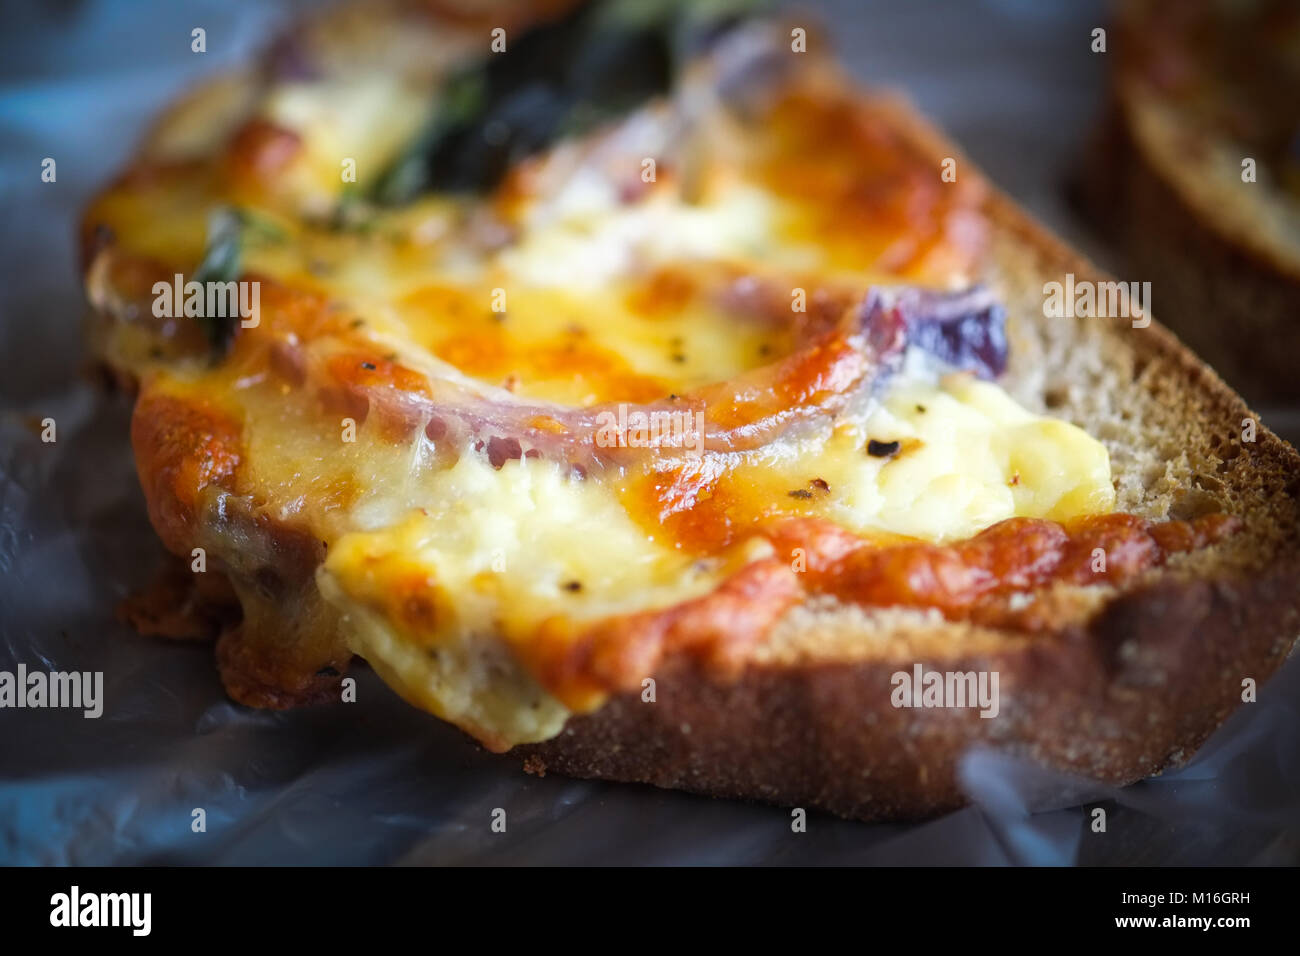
(435, 569)
(496, 548)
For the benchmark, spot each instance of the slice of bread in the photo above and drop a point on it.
(1124, 685)
(1193, 173)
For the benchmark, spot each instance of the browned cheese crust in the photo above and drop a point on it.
(1124, 684)
(1119, 691)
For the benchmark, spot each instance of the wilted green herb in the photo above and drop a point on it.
(230, 230)
(260, 228)
(461, 98)
(221, 263)
(558, 79)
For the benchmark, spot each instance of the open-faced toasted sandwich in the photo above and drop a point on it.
(634, 393)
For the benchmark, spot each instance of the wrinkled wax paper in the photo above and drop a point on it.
(377, 781)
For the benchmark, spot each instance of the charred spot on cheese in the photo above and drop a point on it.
(883, 449)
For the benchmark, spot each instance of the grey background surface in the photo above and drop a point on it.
(378, 782)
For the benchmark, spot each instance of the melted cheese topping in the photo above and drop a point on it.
(968, 457)
(498, 551)
(577, 283)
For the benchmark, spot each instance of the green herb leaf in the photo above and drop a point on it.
(221, 263)
(557, 79)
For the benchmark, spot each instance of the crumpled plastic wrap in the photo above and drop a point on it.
(378, 781)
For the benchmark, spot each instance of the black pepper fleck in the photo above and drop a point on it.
(883, 449)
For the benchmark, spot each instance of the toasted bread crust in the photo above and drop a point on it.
(1120, 691)
(1135, 692)
(1195, 90)
(1232, 302)
(1126, 685)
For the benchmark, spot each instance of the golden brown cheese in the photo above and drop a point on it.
(504, 594)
